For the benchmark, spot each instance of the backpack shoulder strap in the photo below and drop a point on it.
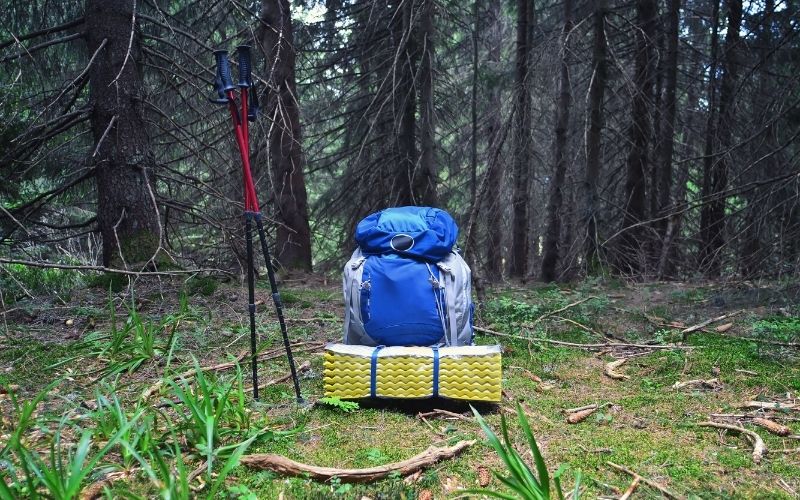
(351, 283)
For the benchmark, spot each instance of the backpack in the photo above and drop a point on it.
(406, 284)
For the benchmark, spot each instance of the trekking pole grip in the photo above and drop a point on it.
(224, 70)
(244, 66)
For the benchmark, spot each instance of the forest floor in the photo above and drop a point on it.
(90, 353)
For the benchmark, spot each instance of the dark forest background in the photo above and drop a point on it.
(654, 140)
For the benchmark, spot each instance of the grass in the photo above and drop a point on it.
(92, 420)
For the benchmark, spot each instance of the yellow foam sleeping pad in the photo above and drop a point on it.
(472, 373)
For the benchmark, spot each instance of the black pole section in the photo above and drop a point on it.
(276, 299)
(251, 297)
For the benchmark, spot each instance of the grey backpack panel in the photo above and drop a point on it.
(457, 281)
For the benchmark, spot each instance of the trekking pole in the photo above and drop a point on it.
(245, 83)
(225, 94)
(224, 89)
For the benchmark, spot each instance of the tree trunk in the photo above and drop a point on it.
(554, 215)
(426, 178)
(127, 213)
(293, 240)
(708, 158)
(714, 230)
(631, 247)
(752, 252)
(405, 105)
(495, 212)
(522, 150)
(597, 89)
(667, 137)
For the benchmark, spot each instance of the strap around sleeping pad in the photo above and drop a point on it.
(373, 371)
(435, 371)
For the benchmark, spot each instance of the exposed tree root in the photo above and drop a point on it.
(758, 444)
(286, 467)
(610, 369)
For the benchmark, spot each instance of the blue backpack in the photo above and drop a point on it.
(405, 284)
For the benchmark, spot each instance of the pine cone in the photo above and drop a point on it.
(484, 476)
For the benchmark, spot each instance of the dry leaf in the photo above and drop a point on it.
(425, 495)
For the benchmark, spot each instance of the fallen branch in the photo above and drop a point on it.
(712, 383)
(768, 405)
(286, 467)
(699, 326)
(277, 352)
(50, 265)
(610, 369)
(758, 444)
(643, 479)
(443, 413)
(568, 306)
(605, 345)
(300, 369)
(773, 427)
(95, 490)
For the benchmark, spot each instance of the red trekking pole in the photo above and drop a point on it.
(226, 94)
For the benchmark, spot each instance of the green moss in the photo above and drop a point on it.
(203, 285)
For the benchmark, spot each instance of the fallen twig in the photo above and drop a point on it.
(758, 444)
(746, 372)
(580, 408)
(286, 467)
(699, 326)
(773, 427)
(643, 479)
(631, 488)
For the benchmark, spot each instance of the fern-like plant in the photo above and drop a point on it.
(520, 479)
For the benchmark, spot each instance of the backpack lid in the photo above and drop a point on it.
(424, 232)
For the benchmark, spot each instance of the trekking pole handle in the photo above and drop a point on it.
(244, 66)
(224, 70)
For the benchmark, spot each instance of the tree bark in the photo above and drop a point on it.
(597, 89)
(293, 238)
(522, 137)
(554, 215)
(714, 230)
(127, 213)
(426, 178)
(631, 248)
